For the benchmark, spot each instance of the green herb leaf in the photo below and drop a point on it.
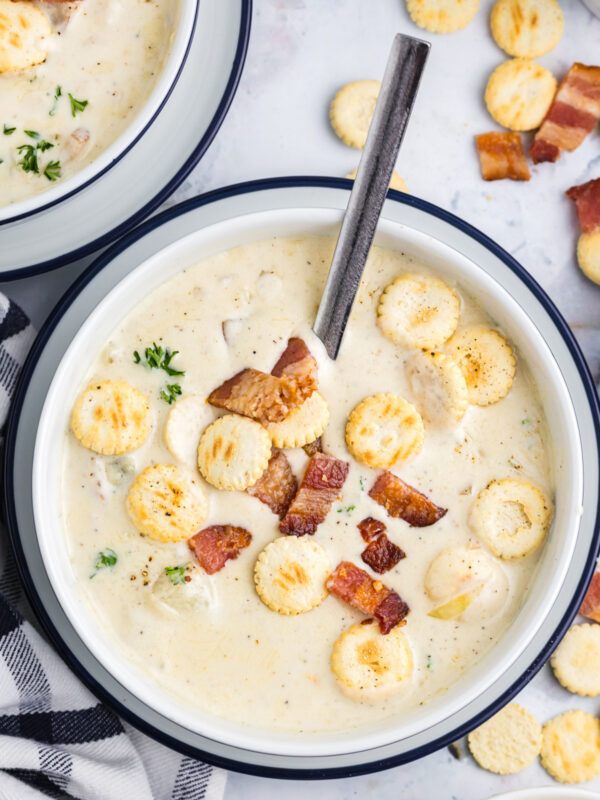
(8, 131)
(105, 558)
(158, 358)
(32, 134)
(170, 394)
(348, 509)
(28, 162)
(52, 171)
(44, 145)
(57, 94)
(77, 105)
(362, 482)
(176, 574)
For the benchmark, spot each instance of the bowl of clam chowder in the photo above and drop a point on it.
(312, 561)
(80, 82)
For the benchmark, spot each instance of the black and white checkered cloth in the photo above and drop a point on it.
(56, 739)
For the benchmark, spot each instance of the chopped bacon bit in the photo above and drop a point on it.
(590, 607)
(322, 481)
(572, 115)
(587, 204)
(313, 448)
(370, 528)
(404, 501)
(256, 394)
(381, 554)
(217, 544)
(501, 156)
(355, 586)
(298, 364)
(277, 485)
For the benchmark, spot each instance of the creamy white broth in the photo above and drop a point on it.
(110, 53)
(234, 657)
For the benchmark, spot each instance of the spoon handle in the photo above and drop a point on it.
(398, 91)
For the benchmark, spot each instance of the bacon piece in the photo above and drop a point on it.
(501, 156)
(404, 501)
(370, 528)
(355, 586)
(313, 447)
(587, 204)
(217, 544)
(573, 114)
(257, 395)
(277, 485)
(322, 481)
(381, 554)
(590, 607)
(298, 364)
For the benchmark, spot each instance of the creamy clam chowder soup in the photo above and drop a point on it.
(72, 78)
(293, 542)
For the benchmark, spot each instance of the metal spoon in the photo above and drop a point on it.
(399, 88)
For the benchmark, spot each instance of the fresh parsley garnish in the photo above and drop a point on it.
(52, 171)
(105, 558)
(8, 131)
(32, 134)
(158, 358)
(57, 94)
(28, 162)
(77, 105)
(348, 509)
(176, 574)
(170, 392)
(1, 161)
(29, 155)
(362, 481)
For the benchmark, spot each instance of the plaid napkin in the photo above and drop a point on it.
(56, 739)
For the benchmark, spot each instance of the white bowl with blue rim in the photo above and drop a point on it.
(185, 234)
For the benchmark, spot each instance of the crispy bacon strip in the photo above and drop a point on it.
(573, 114)
(501, 156)
(322, 481)
(217, 544)
(404, 501)
(277, 485)
(371, 528)
(587, 204)
(313, 447)
(590, 607)
(299, 365)
(256, 394)
(355, 586)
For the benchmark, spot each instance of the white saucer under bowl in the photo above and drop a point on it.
(208, 224)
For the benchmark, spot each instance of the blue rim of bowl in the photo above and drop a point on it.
(176, 180)
(54, 634)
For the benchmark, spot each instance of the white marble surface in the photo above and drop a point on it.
(301, 51)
